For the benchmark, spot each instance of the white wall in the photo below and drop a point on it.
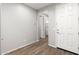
(78, 23)
(0, 28)
(18, 26)
(51, 27)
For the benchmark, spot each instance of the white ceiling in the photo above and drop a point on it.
(38, 5)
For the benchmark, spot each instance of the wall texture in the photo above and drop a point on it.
(18, 26)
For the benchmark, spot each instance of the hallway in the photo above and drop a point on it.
(39, 48)
(23, 24)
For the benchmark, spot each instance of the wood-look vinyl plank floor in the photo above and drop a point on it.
(39, 48)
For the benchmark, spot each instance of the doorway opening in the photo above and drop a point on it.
(43, 27)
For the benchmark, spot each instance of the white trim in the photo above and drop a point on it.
(52, 45)
(18, 48)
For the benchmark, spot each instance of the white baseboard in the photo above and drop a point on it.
(52, 45)
(18, 48)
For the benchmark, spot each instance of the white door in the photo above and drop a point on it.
(46, 25)
(42, 27)
(66, 27)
